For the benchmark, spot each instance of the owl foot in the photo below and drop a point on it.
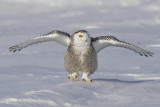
(73, 76)
(85, 78)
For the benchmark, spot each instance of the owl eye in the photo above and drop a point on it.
(80, 36)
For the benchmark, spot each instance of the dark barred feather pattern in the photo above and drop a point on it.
(59, 33)
(57, 36)
(75, 62)
(104, 41)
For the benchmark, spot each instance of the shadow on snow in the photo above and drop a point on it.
(121, 81)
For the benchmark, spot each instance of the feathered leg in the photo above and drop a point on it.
(73, 76)
(85, 77)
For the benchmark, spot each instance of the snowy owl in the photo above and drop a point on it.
(81, 53)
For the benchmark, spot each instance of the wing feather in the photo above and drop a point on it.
(57, 36)
(104, 41)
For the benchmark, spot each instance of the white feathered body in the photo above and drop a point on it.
(80, 59)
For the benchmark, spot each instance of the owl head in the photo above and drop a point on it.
(81, 38)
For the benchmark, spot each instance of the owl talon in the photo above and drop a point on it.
(69, 77)
(86, 80)
(73, 76)
(85, 77)
(91, 80)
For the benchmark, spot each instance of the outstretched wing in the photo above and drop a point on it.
(57, 36)
(105, 41)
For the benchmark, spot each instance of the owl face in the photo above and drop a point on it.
(81, 38)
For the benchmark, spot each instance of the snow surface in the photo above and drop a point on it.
(35, 76)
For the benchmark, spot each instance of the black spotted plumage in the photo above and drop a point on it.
(109, 42)
(58, 32)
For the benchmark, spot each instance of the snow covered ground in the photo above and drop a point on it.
(35, 76)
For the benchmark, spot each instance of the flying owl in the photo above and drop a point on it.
(81, 53)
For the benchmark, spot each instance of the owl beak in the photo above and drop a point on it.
(80, 36)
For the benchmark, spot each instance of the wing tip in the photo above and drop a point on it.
(14, 48)
(147, 54)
